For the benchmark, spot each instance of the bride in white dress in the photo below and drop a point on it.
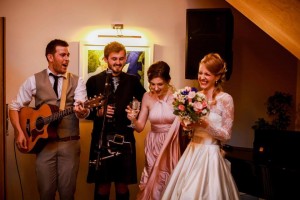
(202, 172)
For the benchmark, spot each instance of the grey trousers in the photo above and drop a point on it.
(57, 168)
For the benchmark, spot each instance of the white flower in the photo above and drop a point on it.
(191, 95)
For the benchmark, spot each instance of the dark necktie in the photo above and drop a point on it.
(55, 82)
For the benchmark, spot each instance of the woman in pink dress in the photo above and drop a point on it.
(162, 149)
(202, 172)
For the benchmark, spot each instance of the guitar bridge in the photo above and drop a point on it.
(28, 127)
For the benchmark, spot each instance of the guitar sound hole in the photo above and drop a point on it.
(39, 123)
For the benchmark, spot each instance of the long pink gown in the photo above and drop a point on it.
(162, 150)
(202, 173)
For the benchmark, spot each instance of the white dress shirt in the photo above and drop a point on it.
(28, 90)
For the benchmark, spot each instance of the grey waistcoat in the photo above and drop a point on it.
(69, 125)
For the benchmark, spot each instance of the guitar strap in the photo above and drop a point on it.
(63, 96)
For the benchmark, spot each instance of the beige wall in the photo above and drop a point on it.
(261, 66)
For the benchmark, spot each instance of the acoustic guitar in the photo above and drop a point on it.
(39, 125)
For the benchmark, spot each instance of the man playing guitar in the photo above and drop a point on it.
(57, 162)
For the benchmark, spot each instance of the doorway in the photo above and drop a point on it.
(3, 113)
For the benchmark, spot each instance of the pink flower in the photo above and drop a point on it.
(198, 106)
(181, 107)
(204, 104)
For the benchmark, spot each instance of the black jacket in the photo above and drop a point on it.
(129, 87)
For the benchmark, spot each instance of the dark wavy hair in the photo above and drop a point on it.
(51, 46)
(159, 69)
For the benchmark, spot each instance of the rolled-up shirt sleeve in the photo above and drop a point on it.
(80, 91)
(25, 94)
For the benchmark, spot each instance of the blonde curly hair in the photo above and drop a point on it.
(217, 66)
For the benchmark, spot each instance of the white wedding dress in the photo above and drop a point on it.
(202, 172)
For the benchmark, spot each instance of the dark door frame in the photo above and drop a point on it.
(3, 110)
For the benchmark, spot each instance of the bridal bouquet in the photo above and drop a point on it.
(190, 105)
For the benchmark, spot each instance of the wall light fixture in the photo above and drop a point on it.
(119, 33)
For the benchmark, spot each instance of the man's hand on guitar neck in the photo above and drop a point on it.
(80, 111)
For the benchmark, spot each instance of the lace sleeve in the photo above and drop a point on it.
(225, 108)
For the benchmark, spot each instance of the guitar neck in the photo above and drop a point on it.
(58, 115)
(89, 104)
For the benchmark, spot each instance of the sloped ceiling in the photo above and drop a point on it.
(278, 18)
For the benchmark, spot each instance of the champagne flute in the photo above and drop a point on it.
(135, 109)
